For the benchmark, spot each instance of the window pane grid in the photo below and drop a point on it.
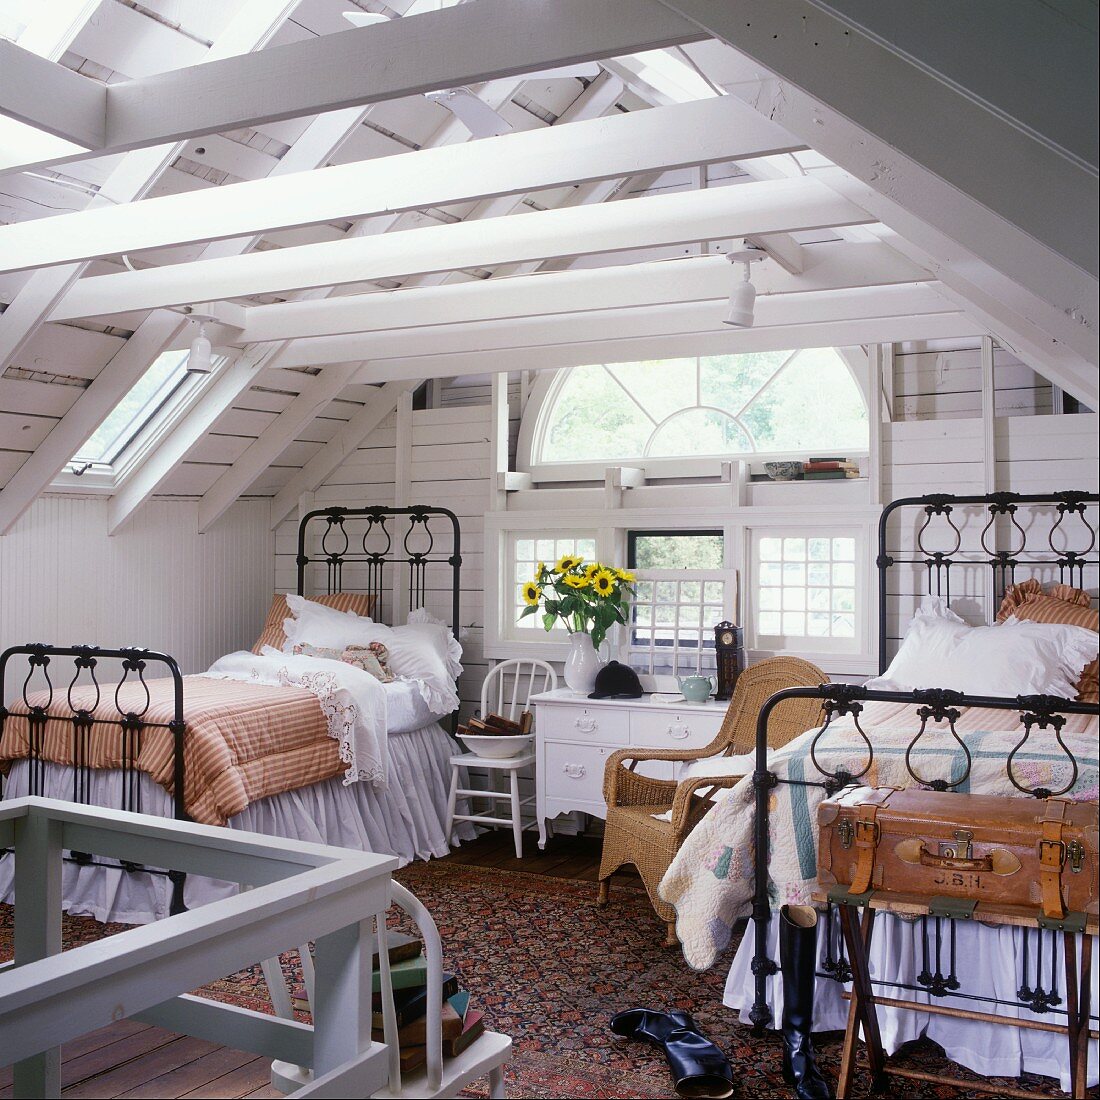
(528, 549)
(806, 588)
(673, 619)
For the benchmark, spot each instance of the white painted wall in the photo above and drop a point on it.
(158, 585)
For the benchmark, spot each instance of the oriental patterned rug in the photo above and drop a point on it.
(549, 968)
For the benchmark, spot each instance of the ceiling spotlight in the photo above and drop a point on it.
(199, 359)
(742, 302)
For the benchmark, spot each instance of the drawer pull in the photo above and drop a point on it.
(575, 771)
(586, 724)
(678, 731)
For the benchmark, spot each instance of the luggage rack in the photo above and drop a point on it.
(857, 934)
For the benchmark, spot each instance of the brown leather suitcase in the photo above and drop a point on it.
(981, 848)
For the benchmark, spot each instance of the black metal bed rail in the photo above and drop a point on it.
(1003, 543)
(376, 549)
(1037, 713)
(81, 714)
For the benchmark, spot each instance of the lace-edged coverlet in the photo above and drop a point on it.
(244, 740)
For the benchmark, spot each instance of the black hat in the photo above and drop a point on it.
(616, 681)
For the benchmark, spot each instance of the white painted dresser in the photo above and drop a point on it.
(575, 735)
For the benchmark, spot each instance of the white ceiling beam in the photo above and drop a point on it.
(741, 210)
(838, 333)
(49, 97)
(252, 25)
(913, 136)
(834, 265)
(135, 174)
(455, 46)
(341, 446)
(662, 139)
(272, 441)
(652, 319)
(600, 95)
(320, 140)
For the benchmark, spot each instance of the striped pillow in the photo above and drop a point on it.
(1015, 594)
(1072, 607)
(272, 634)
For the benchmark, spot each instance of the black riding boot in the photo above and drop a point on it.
(699, 1068)
(798, 960)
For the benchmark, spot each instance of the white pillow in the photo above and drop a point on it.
(324, 627)
(423, 652)
(1012, 658)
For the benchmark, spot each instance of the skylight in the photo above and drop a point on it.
(152, 391)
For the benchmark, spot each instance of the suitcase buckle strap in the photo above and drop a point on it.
(867, 834)
(1052, 854)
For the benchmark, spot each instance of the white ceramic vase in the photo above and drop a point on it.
(582, 664)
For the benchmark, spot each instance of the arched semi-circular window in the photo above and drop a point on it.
(769, 403)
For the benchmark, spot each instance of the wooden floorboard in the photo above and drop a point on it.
(130, 1059)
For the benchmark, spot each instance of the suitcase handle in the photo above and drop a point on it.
(955, 863)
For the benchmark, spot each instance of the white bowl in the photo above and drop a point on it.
(494, 747)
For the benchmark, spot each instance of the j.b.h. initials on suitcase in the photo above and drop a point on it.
(936, 855)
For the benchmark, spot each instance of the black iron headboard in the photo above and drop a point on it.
(1063, 547)
(381, 544)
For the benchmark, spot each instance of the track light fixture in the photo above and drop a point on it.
(742, 300)
(199, 358)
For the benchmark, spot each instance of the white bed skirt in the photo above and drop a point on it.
(990, 962)
(407, 819)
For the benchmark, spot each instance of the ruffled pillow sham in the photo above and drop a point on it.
(1016, 657)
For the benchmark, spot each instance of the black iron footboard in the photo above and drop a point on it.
(36, 706)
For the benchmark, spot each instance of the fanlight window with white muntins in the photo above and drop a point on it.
(760, 404)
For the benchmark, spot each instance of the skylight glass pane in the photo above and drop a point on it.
(130, 415)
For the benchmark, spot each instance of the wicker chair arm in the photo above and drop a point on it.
(624, 787)
(685, 813)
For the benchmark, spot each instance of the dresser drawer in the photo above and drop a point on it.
(674, 729)
(581, 723)
(575, 771)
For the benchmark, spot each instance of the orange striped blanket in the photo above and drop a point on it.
(244, 741)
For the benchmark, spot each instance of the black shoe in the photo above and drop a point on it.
(699, 1068)
(798, 960)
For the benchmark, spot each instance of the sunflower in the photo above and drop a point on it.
(604, 582)
(530, 593)
(591, 570)
(574, 581)
(539, 570)
(567, 562)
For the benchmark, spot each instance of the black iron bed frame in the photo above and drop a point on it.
(1039, 715)
(375, 549)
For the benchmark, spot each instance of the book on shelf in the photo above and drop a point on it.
(473, 1028)
(415, 1033)
(407, 974)
(822, 464)
(829, 475)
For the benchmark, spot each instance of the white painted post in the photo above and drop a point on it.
(37, 932)
(342, 997)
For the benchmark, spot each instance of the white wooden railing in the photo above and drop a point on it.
(298, 892)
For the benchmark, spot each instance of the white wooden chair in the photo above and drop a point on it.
(485, 1057)
(505, 691)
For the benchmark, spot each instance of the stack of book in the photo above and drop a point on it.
(496, 725)
(409, 971)
(829, 469)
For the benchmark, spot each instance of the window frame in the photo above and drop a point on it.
(547, 388)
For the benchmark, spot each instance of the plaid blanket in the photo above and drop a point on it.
(710, 882)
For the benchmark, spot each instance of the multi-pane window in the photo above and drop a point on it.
(682, 592)
(530, 548)
(769, 402)
(805, 591)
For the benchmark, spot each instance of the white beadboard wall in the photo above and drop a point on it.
(157, 584)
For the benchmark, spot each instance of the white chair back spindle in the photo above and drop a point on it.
(510, 685)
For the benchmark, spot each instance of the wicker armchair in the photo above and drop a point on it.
(633, 835)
